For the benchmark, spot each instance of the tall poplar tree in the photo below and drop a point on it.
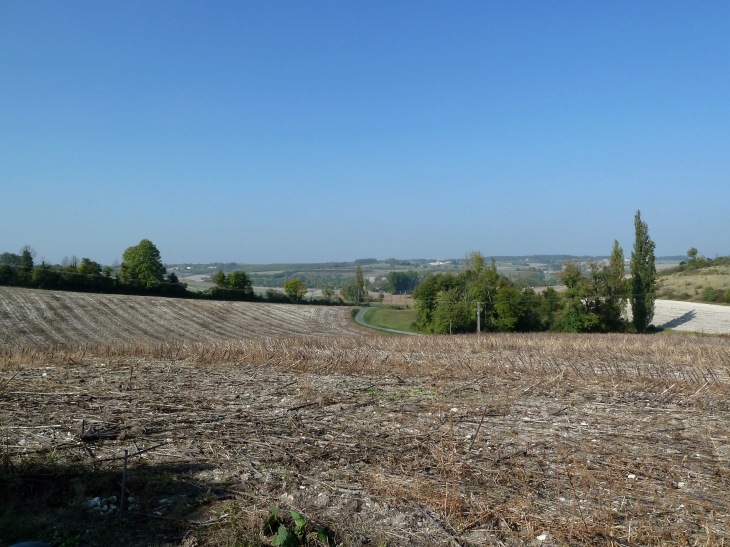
(359, 279)
(643, 276)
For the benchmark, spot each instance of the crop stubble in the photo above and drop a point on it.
(613, 440)
(35, 317)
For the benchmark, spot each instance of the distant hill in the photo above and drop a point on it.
(697, 280)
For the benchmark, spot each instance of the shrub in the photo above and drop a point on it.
(709, 294)
(727, 296)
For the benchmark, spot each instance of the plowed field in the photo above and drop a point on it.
(34, 317)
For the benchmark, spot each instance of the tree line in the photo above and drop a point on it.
(595, 298)
(141, 273)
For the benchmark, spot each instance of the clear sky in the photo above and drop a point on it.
(314, 131)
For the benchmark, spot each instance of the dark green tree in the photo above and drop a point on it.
(10, 259)
(240, 281)
(615, 291)
(643, 276)
(141, 266)
(8, 275)
(427, 296)
(398, 282)
(220, 279)
(89, 267)
(25, 268)
(45, 278)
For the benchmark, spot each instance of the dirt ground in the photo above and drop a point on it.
(692, 316)
(36, 317)
(465, 440)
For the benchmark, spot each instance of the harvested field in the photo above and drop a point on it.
(36, 317)
(692, 317)
(496, 440)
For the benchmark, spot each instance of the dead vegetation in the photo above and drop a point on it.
(30, 317)
(503, 439)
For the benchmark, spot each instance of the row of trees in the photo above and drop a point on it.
(141, 272)
(594, 300)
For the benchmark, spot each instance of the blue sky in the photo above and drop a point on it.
(316, 131)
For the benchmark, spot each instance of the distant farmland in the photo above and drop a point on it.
(35, 317)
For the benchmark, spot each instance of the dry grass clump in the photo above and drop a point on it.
(496, 440)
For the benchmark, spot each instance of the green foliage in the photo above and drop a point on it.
(727, 296)
(328, 291)
(295, 289)
(239, 281)
(576, 313)
(45, 278)
(291, 536)
(25, 268)
(592, 303)
(616, 289)
(66, 539)
(11, 259)
(141, 265)
(359, 279)
(428, 295)
(220, 279)
(709, 294)
(510, 308)
(452, 313)
(89, 267)
(351, 293)
(399, 282)
(8, 275)
(643, 276)
(692, 253)
(475, 262)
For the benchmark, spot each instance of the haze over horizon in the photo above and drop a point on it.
(285, 132)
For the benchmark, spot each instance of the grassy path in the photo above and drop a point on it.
(388, 320)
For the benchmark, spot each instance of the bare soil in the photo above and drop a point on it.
(36, 317)
(692, 317)
(385, 440)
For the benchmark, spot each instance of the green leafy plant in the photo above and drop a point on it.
(66, 539)
(285, 536)
(709, 294)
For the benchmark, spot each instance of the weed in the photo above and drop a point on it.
(286, 536)
(66, 539)
(375, 392)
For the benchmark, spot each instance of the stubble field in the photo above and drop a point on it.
(31, 317)
(378, 440)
